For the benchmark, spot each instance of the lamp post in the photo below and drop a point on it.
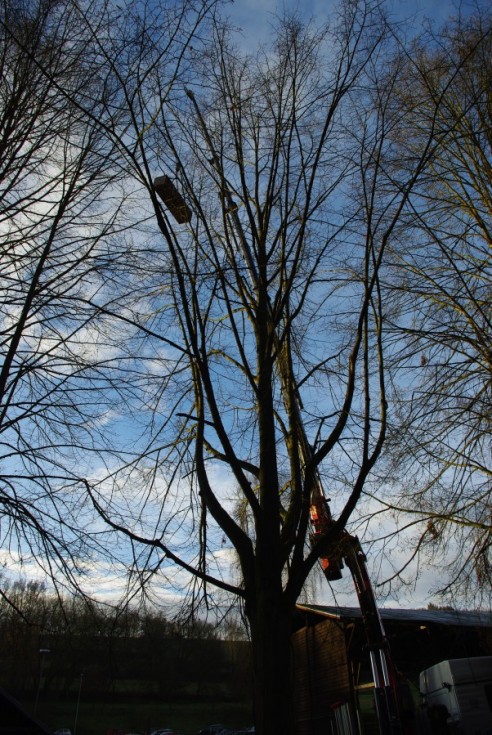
(42, 653)
(78, 704)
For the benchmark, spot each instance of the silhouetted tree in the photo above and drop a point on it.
(441, 463)
(275, 204)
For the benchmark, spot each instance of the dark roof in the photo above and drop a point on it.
(480, 619)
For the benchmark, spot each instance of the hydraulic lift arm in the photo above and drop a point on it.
(349, 551)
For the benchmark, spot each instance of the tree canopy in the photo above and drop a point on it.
(442, 275)
(227, 279)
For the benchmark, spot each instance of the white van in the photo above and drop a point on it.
(457, 694)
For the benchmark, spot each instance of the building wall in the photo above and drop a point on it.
(322, 679)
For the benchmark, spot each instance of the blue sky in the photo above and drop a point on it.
(255, 16)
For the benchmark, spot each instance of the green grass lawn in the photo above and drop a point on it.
(97, 718)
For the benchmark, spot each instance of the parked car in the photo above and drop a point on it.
(215, 729)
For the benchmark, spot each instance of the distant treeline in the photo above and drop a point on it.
(52, 645)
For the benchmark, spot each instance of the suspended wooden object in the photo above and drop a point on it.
(172, 199)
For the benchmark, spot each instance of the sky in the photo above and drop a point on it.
(254, 18)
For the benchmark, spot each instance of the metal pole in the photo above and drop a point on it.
(42, 651)
(78, 704)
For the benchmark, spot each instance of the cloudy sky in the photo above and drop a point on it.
(254, 17)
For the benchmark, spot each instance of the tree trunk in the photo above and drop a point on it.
(270, 620)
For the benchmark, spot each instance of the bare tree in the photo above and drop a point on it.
(260, 300)
(65, 256)
(443, 280)
(205, 291)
